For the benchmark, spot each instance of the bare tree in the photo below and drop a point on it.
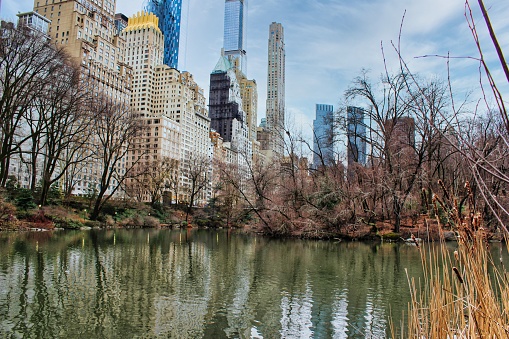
(62, 108)
(484, 169)
(228, 195)
(28, 62)
(114, 128)
(256, 187)
(196, 169)
(31, 154)
(153, 179)
(497, 204)
(429, 105)
(74, 161)
(390, 133)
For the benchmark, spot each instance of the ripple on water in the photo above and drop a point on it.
(212, 285)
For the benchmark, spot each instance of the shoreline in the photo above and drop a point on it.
(448, 236)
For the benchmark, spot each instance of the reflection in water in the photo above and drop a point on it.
(296, 315)
(340, 315)
(198, 284)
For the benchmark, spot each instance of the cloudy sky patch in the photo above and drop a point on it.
(328, 42)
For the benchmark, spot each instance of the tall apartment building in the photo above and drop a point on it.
(144, 51)
(86, 30)
(121, 22)
(234, 48)
(169, 13)
(276, 89)
(170, 102)
(400, 136)
(183, 101)
(226, 111)
(323, 136)
(356, 136)
(249, 94)
(235, 20)
(160, 142)
(249, 98)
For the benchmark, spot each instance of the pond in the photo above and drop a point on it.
(199, 284)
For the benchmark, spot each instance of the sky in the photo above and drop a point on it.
(329, 42)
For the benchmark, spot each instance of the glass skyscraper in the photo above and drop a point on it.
(323, 136)
(235, 12)
(356, 132)
(169, 14)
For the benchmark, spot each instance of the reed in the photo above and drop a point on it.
(463, 294)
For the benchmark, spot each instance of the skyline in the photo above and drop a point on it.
(329, 42)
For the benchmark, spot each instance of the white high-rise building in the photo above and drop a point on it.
(276, 89)
(171, 103)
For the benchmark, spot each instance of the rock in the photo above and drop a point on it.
(450, 236)
(85, 228)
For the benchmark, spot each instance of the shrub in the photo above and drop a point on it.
(109, 221)
(201, 222)
(7, 210)
(134, 221)
(39, 218)
(66, 223)
(137, 221)
(24, 199)
(151, 222)
(24, 215)
(93, 224)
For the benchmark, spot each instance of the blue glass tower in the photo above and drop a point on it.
(169, 13)
(323, 136)
(356, 132)
(235, 12)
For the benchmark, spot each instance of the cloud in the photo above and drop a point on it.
(328, 42)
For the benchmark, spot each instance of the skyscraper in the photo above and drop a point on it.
(276, 88)
(323, 136)
(226, 109)
(171, 105)
(121, 22)
(356, 133)
(169, 14)
(400, 136)
(86, 31)
(235, 12)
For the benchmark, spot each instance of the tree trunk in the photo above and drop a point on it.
(397, 215)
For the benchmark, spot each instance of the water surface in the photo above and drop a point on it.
(198, 284)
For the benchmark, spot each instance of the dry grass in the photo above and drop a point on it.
(463, 294)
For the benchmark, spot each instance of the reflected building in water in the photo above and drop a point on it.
(199, 284)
